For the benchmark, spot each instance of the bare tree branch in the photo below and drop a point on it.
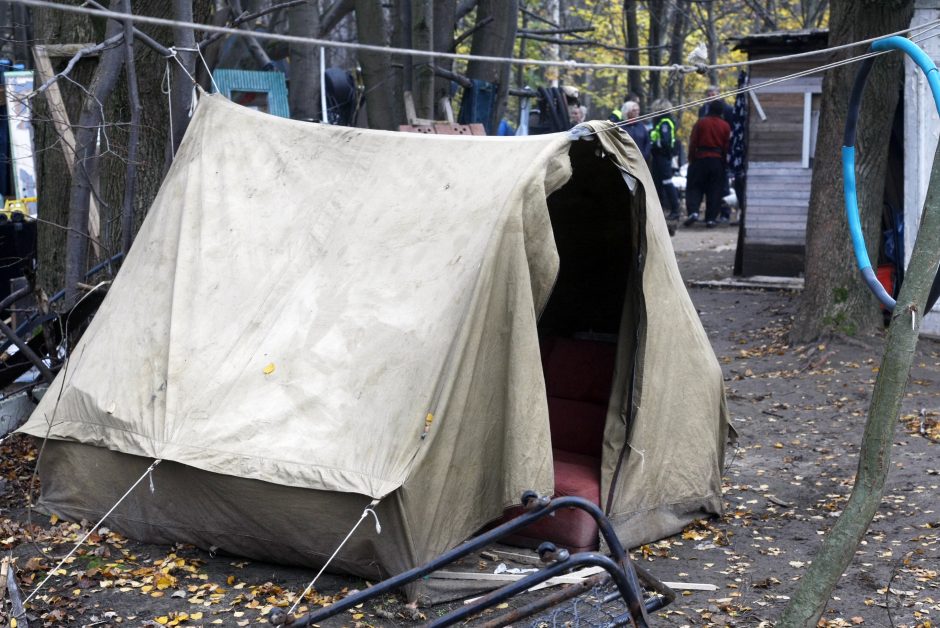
(248, 17)
(150, 42)
(465, 7)
(86, 135)
(110, 42)
(470, 31)
(335, 14)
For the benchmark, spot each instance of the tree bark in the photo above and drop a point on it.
(632, 41)
(52, 173)
(497, 39)
(657, 10)
(304, 94)
(382, 81)
(335, 14)
(680, 30)
(838, 549)
(133, 142)
(834, 298)
(422, 38)
(445, 17)
(184, 38)
(86, 137)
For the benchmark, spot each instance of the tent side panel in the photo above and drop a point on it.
(673, 450)
(243, 517)
(490, 438)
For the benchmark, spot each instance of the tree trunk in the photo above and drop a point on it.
(153, 139)
(52, 174)
(657, 10)
(184, 39)
(90, 124)
(497, 38)
(680, 30)
(445, 16)
(304, 94)
(422, 38)
(133, 142)
(838, 550)
(712, 37)
(632, 41)
(383, 92)
(834, 297)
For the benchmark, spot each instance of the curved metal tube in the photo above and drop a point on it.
(930, 71)
(633, 595)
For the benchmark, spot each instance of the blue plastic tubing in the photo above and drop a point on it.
(929, 69)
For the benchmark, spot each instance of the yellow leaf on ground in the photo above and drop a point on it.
(162, 620)
(267, 370)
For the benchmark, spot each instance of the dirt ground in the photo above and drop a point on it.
(799, 411)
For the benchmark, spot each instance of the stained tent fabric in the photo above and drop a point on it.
(312, 317)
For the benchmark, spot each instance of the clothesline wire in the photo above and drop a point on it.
(211, 28)
(752, 87)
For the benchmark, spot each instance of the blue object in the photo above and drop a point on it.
(505, 128)
(246, 87)
(477, 104)
(923, 61)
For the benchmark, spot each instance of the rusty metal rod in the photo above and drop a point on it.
(28, 353)
(546, 601)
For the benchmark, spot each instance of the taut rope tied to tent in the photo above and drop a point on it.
(53, 571)
(378, 530)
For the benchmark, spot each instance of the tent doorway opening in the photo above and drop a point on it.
(580, 330)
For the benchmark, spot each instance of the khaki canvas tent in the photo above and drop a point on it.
(313, 317)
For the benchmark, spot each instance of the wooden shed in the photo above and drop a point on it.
(782, 124)
(921, 135)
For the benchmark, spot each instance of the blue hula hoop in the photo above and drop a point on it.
(929, 69)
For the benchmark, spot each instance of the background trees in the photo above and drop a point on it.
(834, 298)
(649, 32)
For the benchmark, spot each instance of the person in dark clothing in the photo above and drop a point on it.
(727, 114)
(663, 140)
(727, 111)
(708, 150)
(637, 130)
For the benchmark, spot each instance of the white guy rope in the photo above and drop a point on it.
(378, 529)
(927, 26)
(210, 28)
(749, 88)
(53, 571)
(226, 30)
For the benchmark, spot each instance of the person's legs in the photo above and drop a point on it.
(669, 189)
(694, 190)
(662, 179)
(714, 174)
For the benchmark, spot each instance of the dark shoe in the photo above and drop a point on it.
(724, 220)
(711, 224)
(674, 216)
(692, 219)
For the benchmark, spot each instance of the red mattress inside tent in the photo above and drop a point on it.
(578, 376)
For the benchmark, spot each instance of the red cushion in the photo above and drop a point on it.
(581, 370)
(577, 426)
(575, 475)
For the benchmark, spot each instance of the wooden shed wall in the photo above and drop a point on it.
(778, 185)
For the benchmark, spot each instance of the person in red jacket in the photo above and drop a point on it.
(708, 148)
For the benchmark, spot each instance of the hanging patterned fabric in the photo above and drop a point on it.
(738, 155)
